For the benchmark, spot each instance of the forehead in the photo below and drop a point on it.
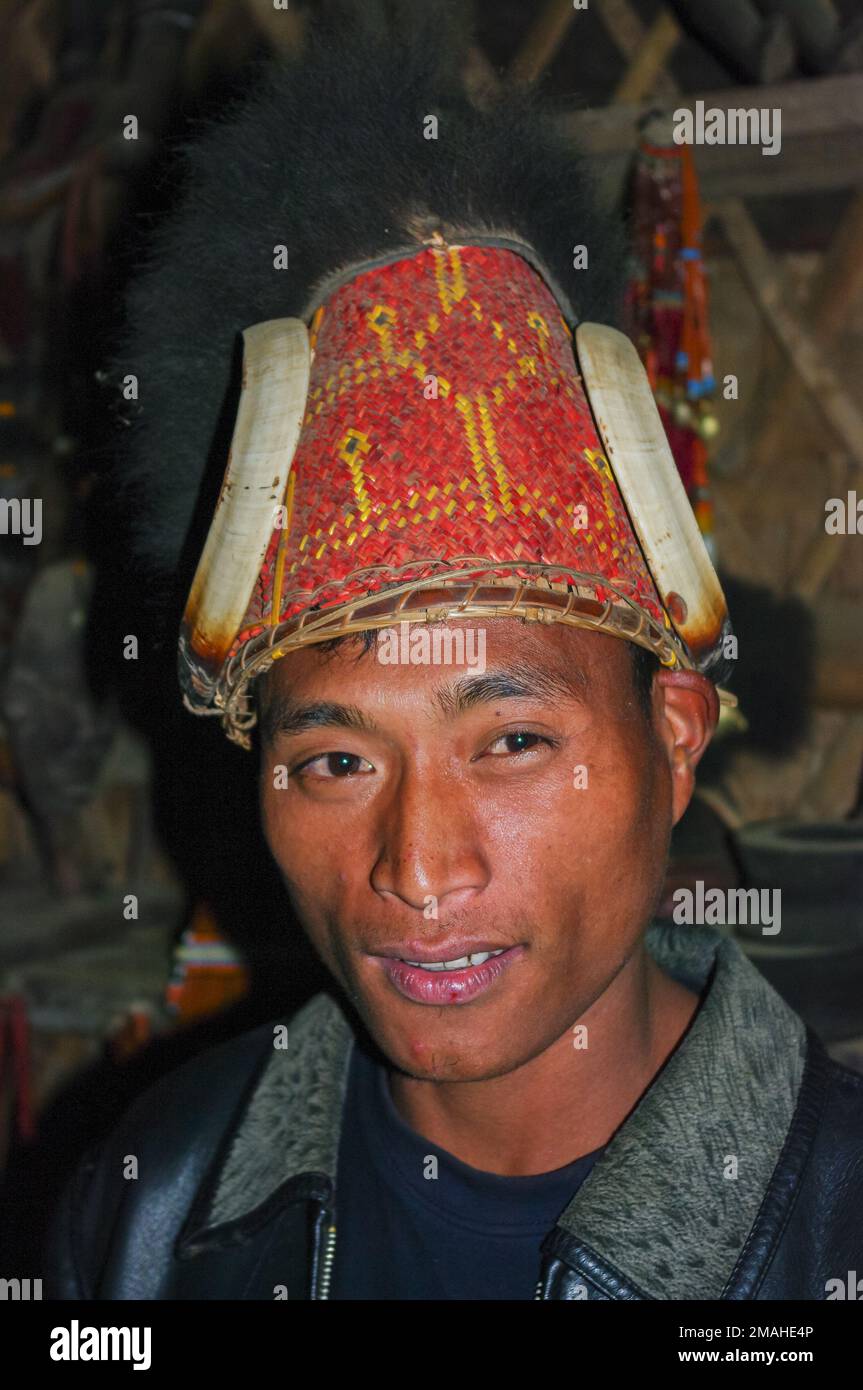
(419, 661)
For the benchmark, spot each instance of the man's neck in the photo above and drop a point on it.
(567, 1101)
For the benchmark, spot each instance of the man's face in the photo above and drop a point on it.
(431, 812)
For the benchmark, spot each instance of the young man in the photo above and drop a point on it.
(453, 577)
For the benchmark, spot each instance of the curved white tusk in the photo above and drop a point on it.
(641, 460)
(276, 367)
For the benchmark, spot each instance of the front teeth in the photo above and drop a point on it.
(462, 963)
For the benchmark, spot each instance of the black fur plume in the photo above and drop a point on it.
(328, 157)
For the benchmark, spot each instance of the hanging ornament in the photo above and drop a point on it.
(667, 304)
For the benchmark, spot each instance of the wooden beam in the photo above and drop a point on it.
(818, 563)
(645, 73)
(840, 283)
(821, 127)
(645, 54)
(544, 39)
(479, 77)
(830, 303)
(773, 292)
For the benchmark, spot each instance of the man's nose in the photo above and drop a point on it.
(429, 844)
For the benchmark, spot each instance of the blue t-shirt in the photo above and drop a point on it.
(463, 1234)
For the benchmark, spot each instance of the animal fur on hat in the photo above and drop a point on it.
(328, 158)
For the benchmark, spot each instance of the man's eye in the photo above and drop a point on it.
(335, 765)
(522, 741)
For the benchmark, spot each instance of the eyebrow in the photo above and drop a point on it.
(284, 715)
(523, 682)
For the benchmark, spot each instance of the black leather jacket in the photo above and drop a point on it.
(739, 1174)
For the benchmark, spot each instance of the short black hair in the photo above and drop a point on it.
(645, 664)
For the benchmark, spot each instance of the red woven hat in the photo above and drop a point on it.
(428, 449)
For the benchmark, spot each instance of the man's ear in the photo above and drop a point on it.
(689, 712)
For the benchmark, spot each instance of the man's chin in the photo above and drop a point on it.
(460, 1043)
(429, 1059)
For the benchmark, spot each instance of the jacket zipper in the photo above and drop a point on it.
(327, 1263)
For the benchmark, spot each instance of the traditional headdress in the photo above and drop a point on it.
(431, 425)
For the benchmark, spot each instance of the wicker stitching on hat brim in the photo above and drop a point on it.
(553, 594)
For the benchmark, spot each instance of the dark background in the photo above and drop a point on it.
(108, 787)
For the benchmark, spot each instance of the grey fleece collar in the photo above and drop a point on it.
(661, 1206)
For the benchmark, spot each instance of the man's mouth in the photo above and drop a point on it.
(455, 980)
